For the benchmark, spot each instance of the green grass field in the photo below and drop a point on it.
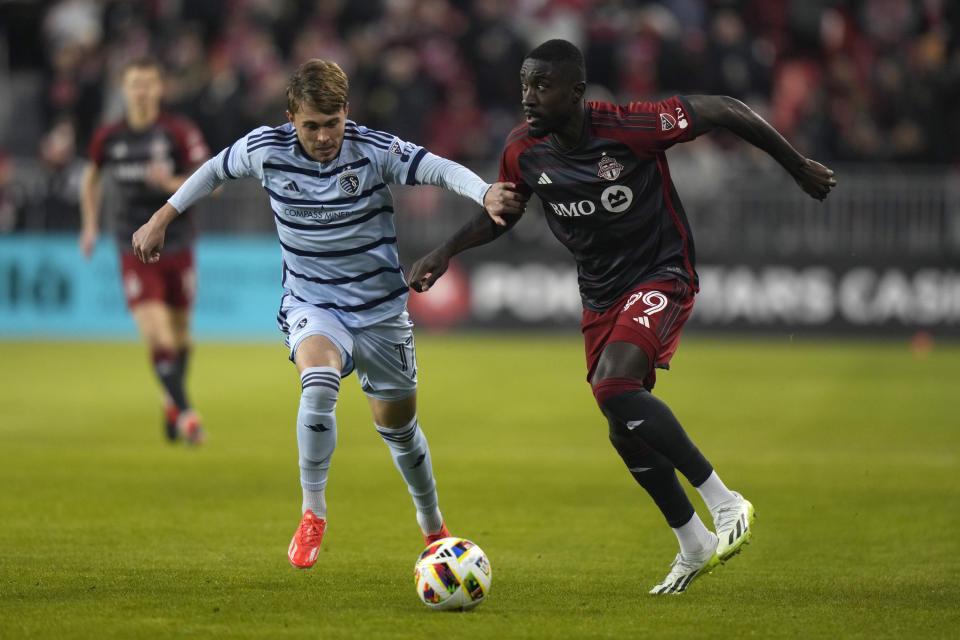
(851, 453)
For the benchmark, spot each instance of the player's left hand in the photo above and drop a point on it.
(503, 199)
(814, 178)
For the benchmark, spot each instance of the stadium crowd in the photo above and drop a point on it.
(844, 80)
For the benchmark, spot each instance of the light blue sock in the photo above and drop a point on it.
(317, 433)
(411, 455)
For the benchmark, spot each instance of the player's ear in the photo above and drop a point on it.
(578, 90)
(290, 118)
(346, 110)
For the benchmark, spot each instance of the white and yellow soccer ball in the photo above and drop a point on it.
(452, 574)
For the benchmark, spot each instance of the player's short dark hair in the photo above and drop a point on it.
(143, 62)
(321, 84)
(561, 52)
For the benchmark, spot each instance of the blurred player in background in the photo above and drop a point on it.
(145, 157)
(602, 176)
(344, 305)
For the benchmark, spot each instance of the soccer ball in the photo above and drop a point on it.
(452, 574)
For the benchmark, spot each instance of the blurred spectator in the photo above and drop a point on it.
(12, 197)
(63, 169)
(846, 80)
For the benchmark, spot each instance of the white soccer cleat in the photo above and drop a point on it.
(733, 521)
(684, 571)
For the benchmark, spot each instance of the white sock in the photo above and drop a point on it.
(695, 539)
(714, 492)
(411, 455)
(315, 501)
(430, 521)
(317, 434)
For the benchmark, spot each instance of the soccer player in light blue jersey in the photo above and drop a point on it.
(344, 302)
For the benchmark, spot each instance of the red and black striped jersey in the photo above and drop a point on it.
(610, 200)
(123, 155)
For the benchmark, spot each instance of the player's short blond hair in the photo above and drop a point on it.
(320, 84)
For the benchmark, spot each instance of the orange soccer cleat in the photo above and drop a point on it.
(305, 546)
(430, 538)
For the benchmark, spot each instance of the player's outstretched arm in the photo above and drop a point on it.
(479, 230)
(148, 239)
(710, 112)
(500, 200)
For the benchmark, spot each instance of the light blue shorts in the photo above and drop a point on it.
(383, 354)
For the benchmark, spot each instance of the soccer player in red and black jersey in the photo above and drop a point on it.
(145, 157)
(602, 176)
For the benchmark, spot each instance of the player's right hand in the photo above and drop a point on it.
(428, 270)
(503, 198)
(147, 242)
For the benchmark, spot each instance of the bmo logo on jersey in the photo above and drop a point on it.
(615, 199)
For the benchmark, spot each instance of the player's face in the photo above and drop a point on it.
(142, 88)
(321, 134)
(550, 97)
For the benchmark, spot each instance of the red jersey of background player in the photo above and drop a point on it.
(123, 156)
(610, 200)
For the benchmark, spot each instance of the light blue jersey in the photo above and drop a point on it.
(335, 221)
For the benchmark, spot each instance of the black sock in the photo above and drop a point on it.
(169, 368)
(650, 419)
(654, 473)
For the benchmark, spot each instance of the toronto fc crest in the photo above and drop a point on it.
(609, 168)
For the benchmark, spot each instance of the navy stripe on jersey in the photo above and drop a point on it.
(341, 252)
(347, 200)
(278, 131)
(396, 293)
(280, 144)
(333, 225)
(412, 171)
(254, 140)
(344, 280)
(314, 172)
(226, 163)
(380, 135)
(374, 143)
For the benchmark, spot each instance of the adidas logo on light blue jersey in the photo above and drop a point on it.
(291, 186)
